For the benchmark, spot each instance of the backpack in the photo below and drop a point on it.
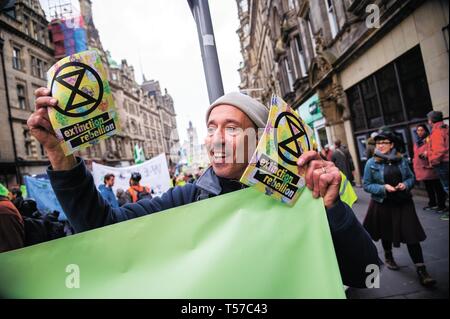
(140, 194)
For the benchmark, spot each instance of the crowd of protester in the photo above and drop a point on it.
(22, 224)
(389, 176)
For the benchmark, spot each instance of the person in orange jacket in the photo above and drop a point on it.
(136, 191)
(438, 148)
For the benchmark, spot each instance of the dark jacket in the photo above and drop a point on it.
(343, 160)
(86, 209)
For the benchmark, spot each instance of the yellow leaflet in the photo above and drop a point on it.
(85, 113)
(273, 169)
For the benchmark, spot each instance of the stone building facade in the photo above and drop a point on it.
(370, 63)
(165, 120)
(27, 54)
(147, 116)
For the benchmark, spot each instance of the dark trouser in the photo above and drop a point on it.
(436, 193)
(442, 170)
(415, 251)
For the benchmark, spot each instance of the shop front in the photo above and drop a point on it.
(396, 96)
(310, 112)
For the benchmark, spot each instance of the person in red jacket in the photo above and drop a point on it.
(425, 172)
(12, 233)
(438, 149)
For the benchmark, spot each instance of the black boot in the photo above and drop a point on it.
(424, 277)
(389, 260)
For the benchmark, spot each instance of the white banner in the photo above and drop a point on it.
(154, 172)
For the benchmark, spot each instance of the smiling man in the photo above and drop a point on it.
(229, 119)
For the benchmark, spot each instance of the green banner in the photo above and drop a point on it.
(239, 245)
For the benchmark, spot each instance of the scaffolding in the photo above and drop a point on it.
(60, 9)
(67, 28)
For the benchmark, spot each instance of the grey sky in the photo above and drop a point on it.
(163, 36)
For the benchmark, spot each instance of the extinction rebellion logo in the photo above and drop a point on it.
(82, 101)
(86, 99)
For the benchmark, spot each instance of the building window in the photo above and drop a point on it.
(331, 12)
(311, 33)
(42, 35)
(120, 148)
(293, 61)
(96, 150)
(397, 94)
(301, 56)
(44, 71)
(289, 75)
(357, 108)
(35, 31)
(26, 25)
(108, 145)
(416, 94)
(33, 66)
(38, 67)
(16, 62)
(21, 97)
(11, 12)
(27, 140)
(371, 105)
(390, 95)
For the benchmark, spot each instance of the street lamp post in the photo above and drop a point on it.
(202, 16)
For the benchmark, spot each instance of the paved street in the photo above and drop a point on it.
(404, 284)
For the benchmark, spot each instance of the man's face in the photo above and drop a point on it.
(110, 182)
(226, 140)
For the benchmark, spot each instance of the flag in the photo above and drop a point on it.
(238, 245)
(23, 189)
(41, 191)
(3, 191)
(138, 154)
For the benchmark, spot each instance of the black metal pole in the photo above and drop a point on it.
(202, 16)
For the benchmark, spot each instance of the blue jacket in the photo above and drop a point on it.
(108, 195)
(374, 178)
(86, 209)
